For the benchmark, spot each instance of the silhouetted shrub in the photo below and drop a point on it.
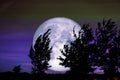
(17, 69)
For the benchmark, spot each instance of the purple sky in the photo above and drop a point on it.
(15, 41)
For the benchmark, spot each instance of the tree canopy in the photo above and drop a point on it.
(77, 53)
(40, 53)
(87, 50)
(107, 46)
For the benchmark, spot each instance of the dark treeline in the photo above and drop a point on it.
(90, 48)
(99, 47)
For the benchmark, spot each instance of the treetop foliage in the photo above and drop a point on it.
(40, 54)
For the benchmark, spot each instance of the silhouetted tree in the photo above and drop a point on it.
(105, 42)
(116, 50)
(77, 54)
(40, 54)
(17, 69)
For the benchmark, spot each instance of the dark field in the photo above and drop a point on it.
(27, 76)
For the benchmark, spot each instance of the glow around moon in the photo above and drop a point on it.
(61, 34)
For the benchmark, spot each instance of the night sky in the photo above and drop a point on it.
(19, 20)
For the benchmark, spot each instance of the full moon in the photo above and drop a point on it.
(61, 34)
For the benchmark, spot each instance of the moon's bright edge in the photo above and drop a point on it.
(61, 34)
